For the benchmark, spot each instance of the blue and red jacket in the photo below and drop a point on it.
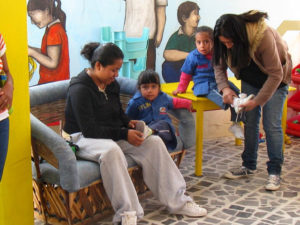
(151, 112)
(197, 67)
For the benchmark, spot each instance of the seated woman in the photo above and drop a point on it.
(98, 125)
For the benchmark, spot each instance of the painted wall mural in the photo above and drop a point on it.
(123, 21)
(53, 55)
(181, 42)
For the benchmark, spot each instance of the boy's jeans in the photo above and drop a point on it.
(272, 114)
(215, 96)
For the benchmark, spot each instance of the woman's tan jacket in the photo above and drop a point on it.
(270, 53)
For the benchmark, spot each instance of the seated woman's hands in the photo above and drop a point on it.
(132, 123)
(135, 137)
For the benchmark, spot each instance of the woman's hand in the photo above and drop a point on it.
(135, 137)
(249, 105)
(132, 123)
(228, 95)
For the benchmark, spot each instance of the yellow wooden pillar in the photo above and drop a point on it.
(16, 205)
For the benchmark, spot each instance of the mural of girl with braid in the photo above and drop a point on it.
(53, 56)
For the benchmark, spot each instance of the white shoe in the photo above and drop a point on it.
(142, 127)
(273, 183)
(242, 99)
(129, 218)
(237, 130)
(192, 209)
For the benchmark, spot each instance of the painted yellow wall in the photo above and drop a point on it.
(16, 207)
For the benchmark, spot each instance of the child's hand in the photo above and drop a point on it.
(177, 92)
(192, 109)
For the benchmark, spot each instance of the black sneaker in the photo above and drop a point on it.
(239, 173)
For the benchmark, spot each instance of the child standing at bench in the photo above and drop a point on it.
(198, 67)
(97, 123)
(151, 105)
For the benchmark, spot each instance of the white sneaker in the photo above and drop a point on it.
(142, 127)
(129, 218)
(192, 209)
(273, 183)
(242, 99)
(237, 130)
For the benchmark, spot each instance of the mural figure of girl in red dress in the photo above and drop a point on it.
(53, 56)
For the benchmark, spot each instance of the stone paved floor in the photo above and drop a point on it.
(230, 202)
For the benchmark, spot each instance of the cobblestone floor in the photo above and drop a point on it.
(228, 202)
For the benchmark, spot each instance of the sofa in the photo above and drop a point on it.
(67, 189)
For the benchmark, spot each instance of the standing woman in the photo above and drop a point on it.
(97, 123)
(258, 56)
(53, 55)
(6, 95)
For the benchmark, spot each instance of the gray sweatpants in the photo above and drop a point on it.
(160, 173)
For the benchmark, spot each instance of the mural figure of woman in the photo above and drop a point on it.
(146, 13)
(181, 41)
(53, 56)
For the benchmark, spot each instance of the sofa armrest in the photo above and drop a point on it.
(67, 166)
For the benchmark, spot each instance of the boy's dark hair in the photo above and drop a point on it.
(185, 9)
(206, 29)
(105, 54)
(147, 77)
(54, 9)
(233, 27)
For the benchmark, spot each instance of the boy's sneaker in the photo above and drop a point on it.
(240, 101)
(142, 127)
(273, 183)
(191, 209)
(239, 173)
(129, 218)
(237, 130)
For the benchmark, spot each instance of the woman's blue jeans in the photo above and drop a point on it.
(272, 115)
(4, 132)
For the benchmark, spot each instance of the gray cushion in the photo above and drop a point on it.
(88, 172)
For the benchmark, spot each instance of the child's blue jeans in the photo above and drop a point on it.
(215, 96)
(4, 132)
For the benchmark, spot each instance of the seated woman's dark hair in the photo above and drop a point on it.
(106, 54)
(147, 77)
(233, 27)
